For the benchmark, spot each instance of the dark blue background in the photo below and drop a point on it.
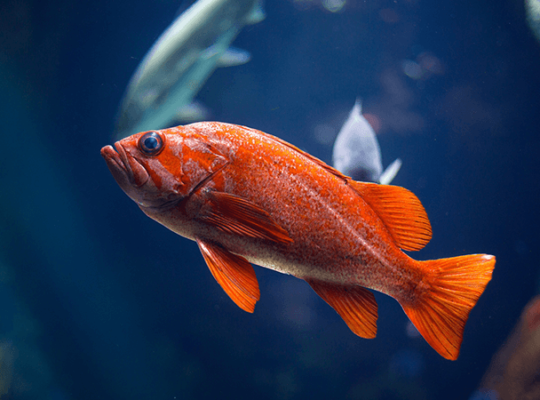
(99, 302)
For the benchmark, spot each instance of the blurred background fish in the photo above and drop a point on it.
(532, 8)
(357, 152)
(180, 62)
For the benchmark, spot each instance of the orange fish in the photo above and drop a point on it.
(248, 197)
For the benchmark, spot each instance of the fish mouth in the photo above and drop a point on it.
(126, 170)
(131, 175)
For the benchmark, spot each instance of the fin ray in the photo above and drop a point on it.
(441, 311)
(401, 212)
(233, 273)
(355, 304)
(233, 214)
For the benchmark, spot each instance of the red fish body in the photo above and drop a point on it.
(248, 197)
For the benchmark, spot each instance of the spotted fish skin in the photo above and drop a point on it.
(248, 197)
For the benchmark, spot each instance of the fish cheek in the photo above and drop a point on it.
(166, 179)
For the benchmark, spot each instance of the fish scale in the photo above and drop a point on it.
(248, 197)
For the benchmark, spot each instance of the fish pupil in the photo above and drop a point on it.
(150, 143)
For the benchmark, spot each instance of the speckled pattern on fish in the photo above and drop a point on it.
(246, 196)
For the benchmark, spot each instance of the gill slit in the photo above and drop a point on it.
(207, 179)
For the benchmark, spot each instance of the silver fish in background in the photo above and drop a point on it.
(181, 60)
(357, 153)
(532, 10)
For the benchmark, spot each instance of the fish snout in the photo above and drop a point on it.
(136, 173)
(125, 169)
(116, 166)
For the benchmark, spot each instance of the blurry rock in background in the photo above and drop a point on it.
(514, 370)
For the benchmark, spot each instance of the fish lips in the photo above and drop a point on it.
(126, 170)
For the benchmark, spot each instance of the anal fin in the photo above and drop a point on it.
(355, 304)
(233, 273)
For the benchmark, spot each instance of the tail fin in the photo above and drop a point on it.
(453, 286)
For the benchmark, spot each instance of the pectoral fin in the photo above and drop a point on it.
(234, 274)
(233, 57)
(355, 304)
(234, 214)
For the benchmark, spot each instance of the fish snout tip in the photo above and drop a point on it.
(115, 164)
(112, 157)
(107, 151)
(130, 165)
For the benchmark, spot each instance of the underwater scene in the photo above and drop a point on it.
(271, 200)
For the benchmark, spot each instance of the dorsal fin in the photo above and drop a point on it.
(401, 212)
(399, 209)
(320, 163)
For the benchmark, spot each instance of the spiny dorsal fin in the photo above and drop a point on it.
(401, 212)
(399, 209)
(320, 163)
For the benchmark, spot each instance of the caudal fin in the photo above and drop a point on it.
(451, 289)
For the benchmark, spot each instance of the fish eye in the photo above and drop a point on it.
(151, 143)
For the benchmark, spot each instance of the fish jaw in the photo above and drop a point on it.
(130, 174)
(118, 167)
(136, 173)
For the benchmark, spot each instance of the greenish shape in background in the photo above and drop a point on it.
(532, 8)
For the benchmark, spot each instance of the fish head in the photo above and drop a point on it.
(158, 169)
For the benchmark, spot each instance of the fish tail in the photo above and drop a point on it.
(445, 297)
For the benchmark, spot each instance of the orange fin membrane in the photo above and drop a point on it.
(442, 309)
(234, 274)
(401, 212)
(355, 304)
(234, 214)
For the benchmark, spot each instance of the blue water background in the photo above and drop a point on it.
(97, 301)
